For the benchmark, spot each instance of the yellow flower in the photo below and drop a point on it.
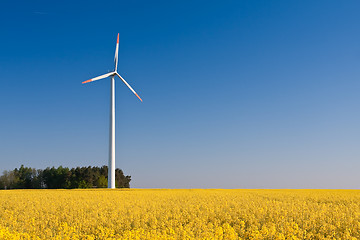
(179, 214)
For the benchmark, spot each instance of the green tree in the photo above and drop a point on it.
(8, 180)
(61, 177)
(101, 182)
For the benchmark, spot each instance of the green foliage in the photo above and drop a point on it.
(101, 182)
(61, 177)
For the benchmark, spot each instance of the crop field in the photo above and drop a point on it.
(179, 214)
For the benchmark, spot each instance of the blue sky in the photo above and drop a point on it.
(237, 94)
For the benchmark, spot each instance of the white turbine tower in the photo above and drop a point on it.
(111, 166)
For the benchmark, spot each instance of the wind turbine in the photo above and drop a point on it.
(111, 166)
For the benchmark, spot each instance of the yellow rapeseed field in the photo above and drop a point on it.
(179, 214)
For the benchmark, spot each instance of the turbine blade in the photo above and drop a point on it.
(99, 77)
(116, 53)
(128, 86)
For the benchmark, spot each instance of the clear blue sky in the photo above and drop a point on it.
(237, 94)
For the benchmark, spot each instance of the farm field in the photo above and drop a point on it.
(179, 214)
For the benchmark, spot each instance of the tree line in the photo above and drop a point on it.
(61, 177)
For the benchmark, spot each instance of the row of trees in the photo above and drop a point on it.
(61, 177)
